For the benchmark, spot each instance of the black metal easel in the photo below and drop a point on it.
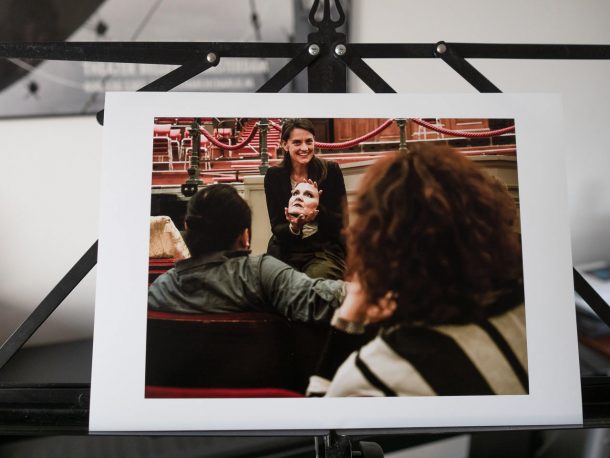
(327, 55)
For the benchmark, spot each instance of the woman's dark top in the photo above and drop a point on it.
(330, 219)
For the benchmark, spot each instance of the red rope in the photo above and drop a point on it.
(421, 122)
(227, 146)
(275, 126)
(355, 141)
(349, 143)
(458, 133)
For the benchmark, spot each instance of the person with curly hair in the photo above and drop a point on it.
(434, 256)
(311, 242)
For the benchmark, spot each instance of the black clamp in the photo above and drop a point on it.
(334, 445)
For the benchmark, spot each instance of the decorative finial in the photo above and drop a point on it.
(326, 19)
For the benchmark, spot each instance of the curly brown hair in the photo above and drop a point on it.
(436, 229)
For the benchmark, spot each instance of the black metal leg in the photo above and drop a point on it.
(48, 305)
(176, 77)
(591, 297)
(365, 73)
(464, 69)
(473, 76)
(334, 445)
(289, 71)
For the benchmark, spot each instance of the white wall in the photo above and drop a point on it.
(584, 85)
(49, 177)
(49, 196)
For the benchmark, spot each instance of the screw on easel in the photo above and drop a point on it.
(314, 49)
(441, 47)
(340, 49)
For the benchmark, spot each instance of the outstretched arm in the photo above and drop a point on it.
(295, 295)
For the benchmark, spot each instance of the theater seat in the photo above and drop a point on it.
(158, 266)
(162, 130)
(162, 153)
(230, 351)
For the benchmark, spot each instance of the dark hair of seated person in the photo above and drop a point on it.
(439, 231)
(216, 215)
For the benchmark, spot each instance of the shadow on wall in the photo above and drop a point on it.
(39, 20)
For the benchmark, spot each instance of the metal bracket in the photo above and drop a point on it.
(327, 73)
(48, 305)
(334, 445)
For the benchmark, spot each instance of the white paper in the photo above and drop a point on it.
(117, 390)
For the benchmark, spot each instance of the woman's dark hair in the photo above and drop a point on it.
(216, 215)
(439, 231)
(317, 168)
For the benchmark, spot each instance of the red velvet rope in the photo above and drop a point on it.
(227, 146)
(421, 122)
(349, 143)
(356, 141)
(458, 133)
(275, 126)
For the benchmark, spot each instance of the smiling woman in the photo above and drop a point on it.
(306, 201)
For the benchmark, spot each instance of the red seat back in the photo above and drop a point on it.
(231, 351)
(162, 130)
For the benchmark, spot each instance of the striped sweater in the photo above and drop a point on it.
(489, 357)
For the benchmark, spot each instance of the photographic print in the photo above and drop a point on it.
(248, 338)
(333, 256)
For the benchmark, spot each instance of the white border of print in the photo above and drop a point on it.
(117, 388)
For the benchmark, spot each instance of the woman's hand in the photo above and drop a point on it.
(356, 309)
(296, 222)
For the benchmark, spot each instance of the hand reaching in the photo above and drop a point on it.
(355, 308)
(296, 222)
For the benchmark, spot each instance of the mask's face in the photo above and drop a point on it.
(305, 200)
(300, 146)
